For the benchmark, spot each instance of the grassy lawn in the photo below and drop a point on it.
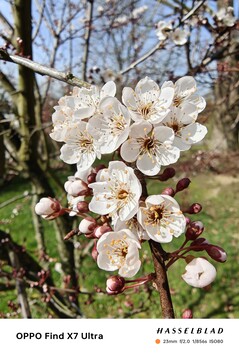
(218, 195)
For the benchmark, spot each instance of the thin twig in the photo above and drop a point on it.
(66, 77)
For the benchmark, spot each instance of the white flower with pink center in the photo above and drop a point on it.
(80, 147)
(180, 36)
(163, 29)
(116, 191)
(148, 102)
(182, 122)
(151, 147)
(199, 273)
(184, 94)
(119, 251)
(162, 218)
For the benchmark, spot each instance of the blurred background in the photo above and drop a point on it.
(43, 276)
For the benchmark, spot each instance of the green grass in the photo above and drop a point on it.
(218, 195)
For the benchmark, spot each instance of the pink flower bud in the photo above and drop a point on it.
(194, 208)
(200, 244)
(91, 178)
(100, 230)
(168, 173)
(168, 191)
(94, 252)
(76, 187)
(87, 225)
(216, 253)
(82, 206)
(187, 314)
(182, 184)
(115, 285)
(47, 207)
(194, 230)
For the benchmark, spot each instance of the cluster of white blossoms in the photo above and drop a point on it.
(226, 17)
(165, 30)
(148, 130)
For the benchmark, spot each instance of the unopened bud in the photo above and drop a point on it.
(91, 178)
(182, 184)
(216, 253)
(199, 244)
(48, 208)
(94, 252)
(187, 314)
(168, 191)
(194, 208)
(115, 285)
(194, 230)
(100, 230)
(168, 173)
(76, 188)
(82, 206)
(87, 225)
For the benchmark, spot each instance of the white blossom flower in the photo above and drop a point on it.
(80, 147)
(119, 251)
(136, 13)
(116, 191)
(82, 104)
(162, 218)
(184, 94)
(187, 131)
(163, 29)
(180, 36)
(147, 102)
(151, 147)
(87, 100)
(111, 128)
(62, 118)
(133, 225)
(225, 15)
(199, 273)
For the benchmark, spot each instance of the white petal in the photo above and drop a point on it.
(164, 133)
(130, 150)
(129, 98)
(185, 86)
(109, 89)
(193, 133)
(148, 165)
(168, 155)
(83, 113)
(145, 85)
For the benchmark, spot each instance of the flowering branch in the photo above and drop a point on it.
(160, 45)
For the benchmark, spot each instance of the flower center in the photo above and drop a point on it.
(122, 194)
(146, 110)
(154, 215)
(117, 125)
(177, 101)
(117, 251)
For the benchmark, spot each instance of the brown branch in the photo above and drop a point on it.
(161, 281)
(66, 77)
(89, 17)
(20, 285)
